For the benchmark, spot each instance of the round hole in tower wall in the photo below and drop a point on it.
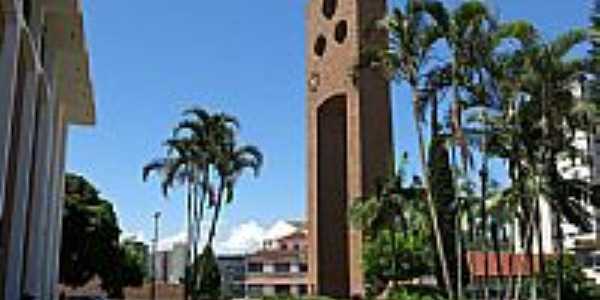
(341, 31)
(329, 8)
(320, 46)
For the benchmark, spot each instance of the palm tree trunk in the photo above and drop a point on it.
(188, 259)
(559, 282)
(217, 213)
(540, 239)
(511, 280)
(459, 252)
(484, 180)
(394, 258)
(432, 208)
(200, 206)
(195, 267)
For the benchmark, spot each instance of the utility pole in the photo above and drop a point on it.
(156, 216)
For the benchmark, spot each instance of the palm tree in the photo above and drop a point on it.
(413, 32)
(394, 210)
(177, 167)
(549, 80)
(203, 151)
(537, 127)
(209, 133)
(230, 165)
(479, 69)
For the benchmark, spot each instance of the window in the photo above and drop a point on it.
(588, 261)
(255, 290)
(296, 247)
(341, 31)
(282, 289)
(302, 290)
(255, 267)
(303, 268)
(320, 46)
(329, 8)
(596, 262)
(284, 246)
(282, 267)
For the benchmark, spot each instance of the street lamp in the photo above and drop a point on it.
(156, 216)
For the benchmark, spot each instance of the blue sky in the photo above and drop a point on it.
(151, 59)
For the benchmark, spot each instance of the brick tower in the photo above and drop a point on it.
(349, 136)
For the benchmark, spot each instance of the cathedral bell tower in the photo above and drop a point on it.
(349, 136)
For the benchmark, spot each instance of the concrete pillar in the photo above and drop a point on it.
(51, 190)
(56, 231)
(8, 77)
(18, 224)
(37, 251)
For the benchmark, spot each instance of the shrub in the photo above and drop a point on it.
(209, 277)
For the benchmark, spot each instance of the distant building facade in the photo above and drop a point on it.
(45, 88)
(280, 268)
(170, 264)
(233, 275)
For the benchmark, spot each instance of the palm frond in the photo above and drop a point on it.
(563, 44)
(200, 113)
(155, 166)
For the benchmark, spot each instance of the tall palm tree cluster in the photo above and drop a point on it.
(204, 157)
(497, 97)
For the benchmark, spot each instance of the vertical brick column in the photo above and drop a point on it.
(349, 137)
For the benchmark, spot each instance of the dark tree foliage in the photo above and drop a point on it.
(90, 238)
(127, 270)
(209, 277)
(90, 241)
(576, 285)
(444, 199)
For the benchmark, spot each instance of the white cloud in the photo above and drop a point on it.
(242, 238)
(280, 229)
(166, 244)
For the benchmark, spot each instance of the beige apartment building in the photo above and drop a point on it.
(279, 268)
(44, 88)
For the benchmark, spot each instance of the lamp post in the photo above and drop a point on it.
(156, 216)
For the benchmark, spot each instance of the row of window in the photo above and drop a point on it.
(283, 246)
(283, 289)
(277, 268)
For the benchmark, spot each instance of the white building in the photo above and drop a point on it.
(584, 244)
(44, 88)
(170, 263)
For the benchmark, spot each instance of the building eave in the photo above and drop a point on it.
(70, 65)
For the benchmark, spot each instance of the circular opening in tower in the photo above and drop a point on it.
(320, 46)
(341, 31)
(329, 8)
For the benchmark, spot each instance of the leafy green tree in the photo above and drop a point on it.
(397, 232)
(90, 242)
(127, 270)
(209, 277)
(415, 293)
(576, 285)
(445, 200)
(414, 31)
(90, 233)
